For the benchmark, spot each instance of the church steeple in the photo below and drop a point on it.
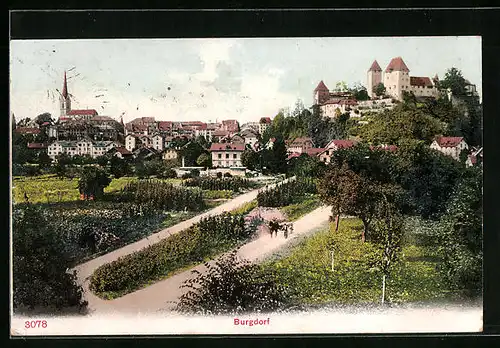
(65, 101)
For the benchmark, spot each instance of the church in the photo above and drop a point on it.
(65, 107)
(396, 79)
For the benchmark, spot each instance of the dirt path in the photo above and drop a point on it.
(86, 269)
(156, 297)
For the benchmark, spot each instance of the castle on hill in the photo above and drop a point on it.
(396, 79)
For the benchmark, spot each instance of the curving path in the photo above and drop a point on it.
(85, 270)
(158, 297)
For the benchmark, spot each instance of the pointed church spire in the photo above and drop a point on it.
(65, 87)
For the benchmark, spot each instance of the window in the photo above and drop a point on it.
(235, 156)
(220, 156)
(227, 155)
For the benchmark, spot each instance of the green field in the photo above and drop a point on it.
(307, 269)
(51, 189)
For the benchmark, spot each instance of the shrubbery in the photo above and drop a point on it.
(208, 183)
(193, 245)
(287, 193)
(158, 194)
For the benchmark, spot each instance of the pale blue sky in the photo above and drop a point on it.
(209, 79)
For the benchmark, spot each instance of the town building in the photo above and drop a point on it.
(250, 136)
(299, 145)
(450, 146)
(120, 152)
(226, 155)
(83, 147)
(264, 123)
(396, 80)
(334, 145)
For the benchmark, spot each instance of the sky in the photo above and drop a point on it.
(213, 79)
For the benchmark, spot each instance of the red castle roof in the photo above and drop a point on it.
(397, 64)
(37, 146)
(265, 120)
(321, 87)
(27, 130)
(420, 81)
(375, 67)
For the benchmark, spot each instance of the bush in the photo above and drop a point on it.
(157, 194)
(40, 278)
(233, 286)
(287, 193)
(204, 239)
(228, 175)
(208, 183)
(219, 175)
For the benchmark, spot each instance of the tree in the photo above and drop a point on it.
(191, 151)
(460, 235)
(454, 81)
(63, 161)
(204, 160)
(119, 167)
(233, 286)
(44, 161)
(379, 89)
(306, 165)
(352, 194)
(92, 182)
(275, 158)
(102, 160)
(250, 159)
(401, 123)
(359, 92)
(387, 235)
(40, 278)
(341, 86)
(42, 118)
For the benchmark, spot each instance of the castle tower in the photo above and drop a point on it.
(64, 100)
(397, 78)
(321, 93)
(374, 78)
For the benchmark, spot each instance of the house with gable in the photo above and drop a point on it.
(334, 145)
(226, 154)
(450, 146)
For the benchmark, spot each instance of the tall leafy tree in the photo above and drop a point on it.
(92, 182)
(379, 89)
(40, 278)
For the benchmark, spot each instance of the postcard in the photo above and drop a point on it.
(246, 186)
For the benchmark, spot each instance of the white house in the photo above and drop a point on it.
(130, 142)
(250, 137)
(157, 142)
(450, 146)
(227, 155)
(335, 107)
(299, 145)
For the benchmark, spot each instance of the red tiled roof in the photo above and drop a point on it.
(37, 146)
(397, 64)
(340, 143)
(293, 155)
(45, 123)
(313, 151)
(83, 112)
(164, 125)
(375, 67)
(123, 150)
(265, 120)
(299, 141)
(230, 147)
(420, 81)
(101, 118)
(143, 120)
(220, 132)
(27, 130)
(348, 102)
(332, 101)
(449, 141)
(321, 87)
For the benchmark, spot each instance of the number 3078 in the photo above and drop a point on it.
(31, 324)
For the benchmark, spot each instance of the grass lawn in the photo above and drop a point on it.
(49, 188)
(296, 211)
(307, 270)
